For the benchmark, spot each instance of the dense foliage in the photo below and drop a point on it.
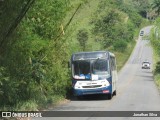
(33, 64)
(156, 6)
(155, 41)
(113, 27)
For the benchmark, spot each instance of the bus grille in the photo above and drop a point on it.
(93, 86)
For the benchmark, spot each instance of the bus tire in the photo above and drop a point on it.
(79, 97)
(115, 93)
(110, 96)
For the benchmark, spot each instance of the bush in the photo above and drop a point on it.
(157, 70)
(120, 45)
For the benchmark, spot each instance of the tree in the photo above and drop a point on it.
(120, 45)
(20, 9)
(156, 6)
(32, 67)
(141, 6)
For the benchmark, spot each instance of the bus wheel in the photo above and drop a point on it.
(115, 93)
(79, 97)
(110, 96)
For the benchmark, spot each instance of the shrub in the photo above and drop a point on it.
(157, 70)
(120, 45)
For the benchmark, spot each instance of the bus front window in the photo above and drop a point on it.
(100, 69)
(81, 69)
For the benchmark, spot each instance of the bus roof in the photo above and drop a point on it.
(91, 55)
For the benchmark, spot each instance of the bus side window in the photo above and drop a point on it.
(112, 63)
(111, 67)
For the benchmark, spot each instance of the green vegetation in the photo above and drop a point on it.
(33, 64)
(155, 41)
(82, 37)
(34, 55)
(156, 6)
(122, 57)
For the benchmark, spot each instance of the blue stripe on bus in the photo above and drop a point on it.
(79, 92)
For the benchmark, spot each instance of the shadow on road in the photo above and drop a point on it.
(148, 72)
(88, 98)
(148, 77)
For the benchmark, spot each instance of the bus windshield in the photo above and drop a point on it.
(81, 69)
(90, 69)
(100, 69)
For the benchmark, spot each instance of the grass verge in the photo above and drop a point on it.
(123, 57)
(157, 80)
(156, 58)
(156, 75)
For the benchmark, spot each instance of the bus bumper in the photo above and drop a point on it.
(104, 90)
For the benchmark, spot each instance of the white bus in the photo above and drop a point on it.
(94, 73)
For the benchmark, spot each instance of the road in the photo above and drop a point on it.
(136, 89)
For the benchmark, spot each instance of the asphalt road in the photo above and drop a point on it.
(136, 89)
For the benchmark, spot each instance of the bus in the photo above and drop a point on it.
(94, 73)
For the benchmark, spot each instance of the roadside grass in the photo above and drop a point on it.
(21, 106)
(52, 101)
(156, 58)
(32, 105)
(157, 80)
(123, 57)
(156, 75)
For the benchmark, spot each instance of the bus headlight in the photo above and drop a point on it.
(105, 83)
(77, 87)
